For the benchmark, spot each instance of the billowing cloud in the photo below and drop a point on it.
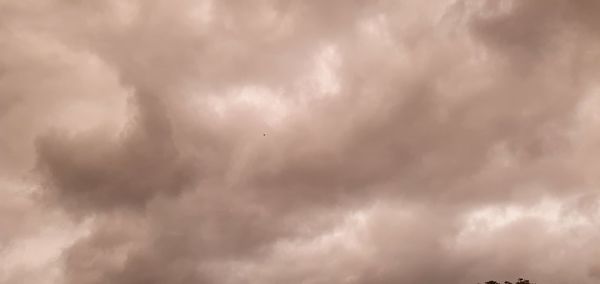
(298, 141)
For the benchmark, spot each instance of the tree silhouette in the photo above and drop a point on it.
(519, 281)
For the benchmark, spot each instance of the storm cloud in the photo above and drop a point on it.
(283, 141)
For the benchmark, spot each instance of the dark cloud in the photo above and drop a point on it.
(95, 173)
(408, 141)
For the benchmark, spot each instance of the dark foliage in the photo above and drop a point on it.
(519, 281)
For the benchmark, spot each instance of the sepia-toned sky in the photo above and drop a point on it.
(288, 141)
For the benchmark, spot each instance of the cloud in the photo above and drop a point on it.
(406, 141)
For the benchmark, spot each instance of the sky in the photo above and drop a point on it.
(287, 141)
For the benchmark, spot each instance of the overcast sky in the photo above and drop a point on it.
(288, 141)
